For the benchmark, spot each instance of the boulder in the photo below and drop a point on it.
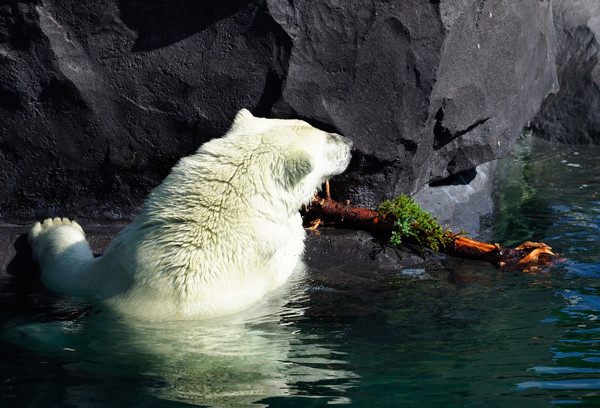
(99, 99)
(425, 89)
(572, 115)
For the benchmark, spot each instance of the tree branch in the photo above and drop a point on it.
(526, 256)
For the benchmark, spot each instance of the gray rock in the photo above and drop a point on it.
(349, 250)
(460, 203)
(424, 90)
(572, 115)
(102, 98)
(99, 99)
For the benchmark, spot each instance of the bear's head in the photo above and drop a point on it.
(300, 157)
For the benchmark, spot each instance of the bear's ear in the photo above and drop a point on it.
(242, 116)
(298, 165)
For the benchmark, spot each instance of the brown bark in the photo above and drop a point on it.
(526, 256)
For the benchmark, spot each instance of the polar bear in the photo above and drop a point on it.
(221, 231)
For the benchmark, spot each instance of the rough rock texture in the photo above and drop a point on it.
(425, 90)
(99, 99)
(348, 250)
(572, 115)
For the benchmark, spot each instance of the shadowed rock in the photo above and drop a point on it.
(99, 100)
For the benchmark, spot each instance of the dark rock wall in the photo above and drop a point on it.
(572, 115)
(425, 90)
(99, 99)
(105, 96)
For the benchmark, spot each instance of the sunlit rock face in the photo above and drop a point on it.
(572, 115)
(99, 99)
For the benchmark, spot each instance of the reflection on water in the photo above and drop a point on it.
(466, 335)
(223, 362)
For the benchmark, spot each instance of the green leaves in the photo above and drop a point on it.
(411, 221)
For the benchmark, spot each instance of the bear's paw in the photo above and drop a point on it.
(49, 224)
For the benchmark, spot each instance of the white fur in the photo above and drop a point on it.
(221, 231)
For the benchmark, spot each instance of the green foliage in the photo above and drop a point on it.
(411, 221)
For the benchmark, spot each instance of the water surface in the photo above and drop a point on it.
(465, 336)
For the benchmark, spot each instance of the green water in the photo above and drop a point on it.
(465, 336)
